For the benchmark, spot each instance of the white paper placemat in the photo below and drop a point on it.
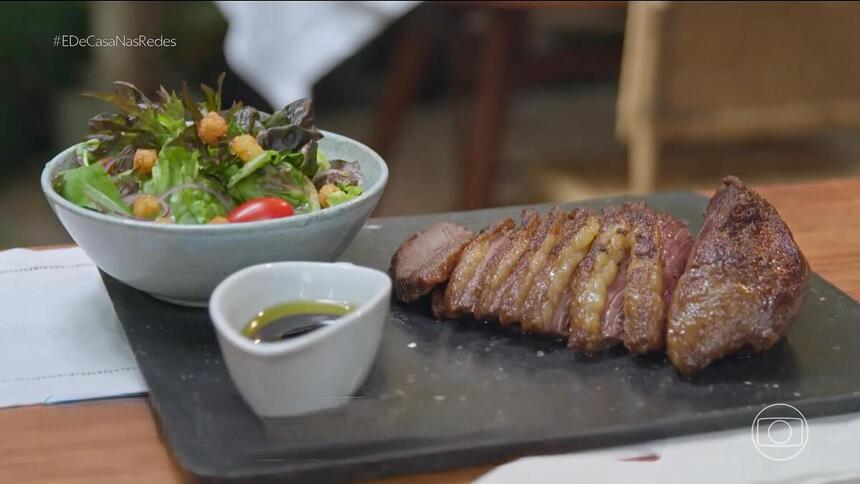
(60, 339)
(829, 455)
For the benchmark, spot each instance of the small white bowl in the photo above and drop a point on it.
(312, 372)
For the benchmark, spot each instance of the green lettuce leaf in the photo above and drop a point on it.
(213, 97)
(309, 159)
(312, 195)
(234, 129)
(345, 194)
(191, 206)
(176, 165)
(281, 180)
(250, 167)
(83, 151)
(89, 186)
(323, 162)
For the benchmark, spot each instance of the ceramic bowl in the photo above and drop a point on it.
(307, 373)
(184, 263)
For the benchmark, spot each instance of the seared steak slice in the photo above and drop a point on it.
(437, 302)
(559, 323)
(504, 262)
(550, 283)
(512, 295)
(460, 294)
(643, 309)
(676, 246)
(744, 282)
(660, 245)
(590, 330)
(612, 321)
(495, 250)
(427, 259)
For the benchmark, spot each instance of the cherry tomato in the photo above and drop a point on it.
(261, 209)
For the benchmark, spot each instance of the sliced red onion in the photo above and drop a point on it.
(122, 214)
(127, 189)
(118, 213)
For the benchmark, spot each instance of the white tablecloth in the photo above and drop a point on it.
(60, 339)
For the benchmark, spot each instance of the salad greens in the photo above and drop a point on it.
(90, 186)
(172, 159)
(345, 194)
(191, 206)
(176, 165)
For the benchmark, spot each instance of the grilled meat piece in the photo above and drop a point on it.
(552, 281)
(427, 259)
(460, 295)
(628, 275)
(508, 303)
(593, 290)
(504, 262)
(660, 245)
(676, 246)
(744, 281)
(612, 319)
(437, 301)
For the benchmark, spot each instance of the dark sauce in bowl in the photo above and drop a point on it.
(294, 318)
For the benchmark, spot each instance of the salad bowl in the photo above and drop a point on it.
(183, 263)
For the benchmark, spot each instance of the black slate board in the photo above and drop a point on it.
(473, 393)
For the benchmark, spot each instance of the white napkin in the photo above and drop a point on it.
(282, 48)
(60, 339)
(830, 455)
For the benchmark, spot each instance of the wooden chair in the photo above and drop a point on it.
(727, 71)
(499, 68)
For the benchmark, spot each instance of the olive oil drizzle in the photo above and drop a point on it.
(293, 318)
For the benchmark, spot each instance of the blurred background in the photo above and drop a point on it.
(471, 104)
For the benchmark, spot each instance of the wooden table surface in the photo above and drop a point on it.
(117, 441)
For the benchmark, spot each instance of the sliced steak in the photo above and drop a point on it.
(744, 282)
(595, 275)
(459, 295)
(504, 262)
(628, 275)
(550, 283)
(512, 294)
(560, 322)
(495, 249)
(612, 320)
(427, 259)
(643, 307)
(437, 302)
(660, 245)
(677, 242)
